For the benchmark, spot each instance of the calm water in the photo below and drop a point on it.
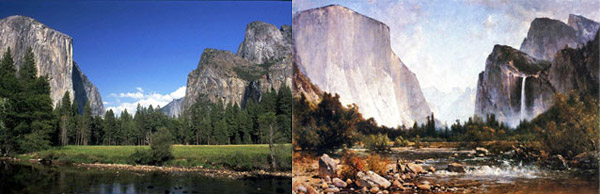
(27, 178)
(496, 175)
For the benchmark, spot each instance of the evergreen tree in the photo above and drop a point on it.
(110, 124)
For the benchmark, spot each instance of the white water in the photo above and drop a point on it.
(497, 172)
(523, 99)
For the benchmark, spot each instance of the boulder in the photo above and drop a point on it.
(415, 168)
(456, 167)
(332, 190)
(399, 167)
(371, 179)
(327, 167)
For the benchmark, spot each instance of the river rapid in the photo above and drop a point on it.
(492, 174)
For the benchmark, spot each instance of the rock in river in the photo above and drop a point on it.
(456, 167)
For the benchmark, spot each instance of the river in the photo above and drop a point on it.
(35, 178)
(491, 174)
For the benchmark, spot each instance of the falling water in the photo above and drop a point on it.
(523, 98)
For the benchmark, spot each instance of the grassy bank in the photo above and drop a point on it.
(235, 157)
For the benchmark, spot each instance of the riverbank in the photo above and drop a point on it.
(231, 161)
(443, 168)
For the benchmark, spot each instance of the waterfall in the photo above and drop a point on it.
(523, 98)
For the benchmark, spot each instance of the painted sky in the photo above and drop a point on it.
(445, 43)
(142, 51)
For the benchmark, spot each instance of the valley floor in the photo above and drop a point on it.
(218, 160)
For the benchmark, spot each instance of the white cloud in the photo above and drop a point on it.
(145, 100)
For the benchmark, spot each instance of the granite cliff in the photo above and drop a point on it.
(555, 57)
(344, 52)
(262, 63)
(53, 52)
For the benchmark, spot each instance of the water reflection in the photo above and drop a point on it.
(27, 178)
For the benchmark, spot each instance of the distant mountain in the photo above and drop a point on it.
(555, 57)
(174, 108)
(263, 63)
(53, 52)
(344, 52)
(450, 106)
(546, 36)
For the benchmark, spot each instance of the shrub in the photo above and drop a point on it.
(354, 164)
(377, 164)
(160, 149)
(400, 142)
(377, 143)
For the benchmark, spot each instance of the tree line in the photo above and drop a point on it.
(28, 121)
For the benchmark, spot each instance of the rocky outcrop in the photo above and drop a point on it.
(576, 69)
(546, 36)
(516, 85)
(263, 42)
(344, 52)
(500, 86)
(174, 108)
(85, 91)
(263, 63)
(303, 86)
(53, 52)
(586, 29)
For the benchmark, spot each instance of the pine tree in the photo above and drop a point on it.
(64, 116)
(109, 127)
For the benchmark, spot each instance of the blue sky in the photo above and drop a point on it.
(142, 51)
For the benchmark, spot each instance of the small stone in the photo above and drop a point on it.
(324, 185)
(424, 187)
(301, 189)
(311, 190)
(374, 189)
(386, 192)
(332, 190)
(419, 161)
(431, 169)
(364, 189)
(397, 185)
(339, 183)
(348, 181)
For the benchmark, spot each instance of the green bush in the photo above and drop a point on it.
(377, 143)
(400, 142)
(160, 149)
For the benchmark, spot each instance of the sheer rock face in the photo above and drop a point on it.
(264, 42)
(216, 79)
(173, 109)
(344, 52)
(499, 86)
(546, 36)
(53, 52)
(576, 69)
(586, 29)
(86, 90)
(263, 62)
